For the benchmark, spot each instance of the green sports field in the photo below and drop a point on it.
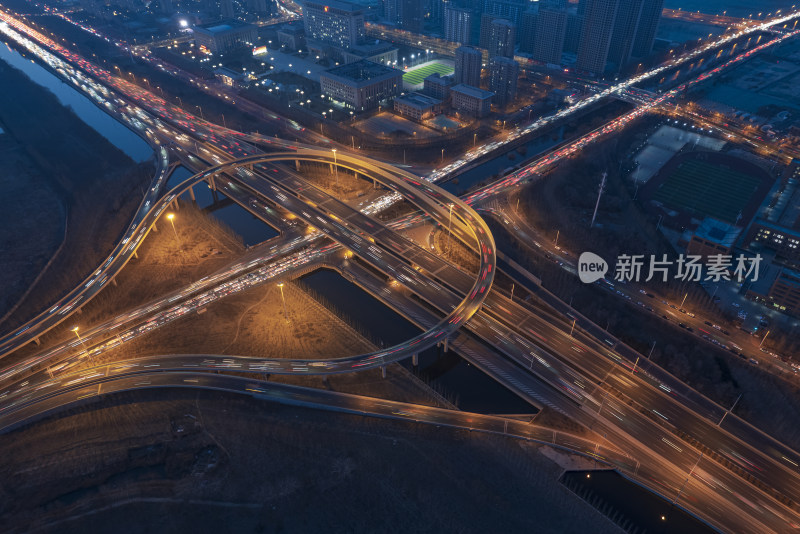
(417, 75)
(714, 191)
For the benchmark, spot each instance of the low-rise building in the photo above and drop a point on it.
(418, 107)
(779, 288)
(785, 292)
(438, 86)
(381, 52)
(784, 240)
(225, 35)
(471, 100)
(229, 77)
(713, 237)
(292, 37)
(361, 85)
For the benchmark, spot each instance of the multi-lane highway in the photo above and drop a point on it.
(586, 377)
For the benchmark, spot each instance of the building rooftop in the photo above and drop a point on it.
(438, 79)
(418, 100)
(503, 22)
(474, 92)
(222, 26)
(362, 71)
(371, 48)
(466, 49)
(335, 4)
(718, 232)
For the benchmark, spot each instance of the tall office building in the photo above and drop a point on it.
(457, 24)
(338, 23)
(527, 31)
(503, 76)
(648, 26)
(625, 27)
(468, 66)
(598, 26)
(502, 38)
(551, 29)
(226, 9)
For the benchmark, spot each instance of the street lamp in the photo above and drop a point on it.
(763, 339)
(443, 155)
(171, 219)
(81, 340)
(285, 315)
(335, 166)
(449, 225)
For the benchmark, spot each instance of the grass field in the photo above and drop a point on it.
(417, 75)
(715, 191)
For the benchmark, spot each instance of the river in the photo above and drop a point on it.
(107, 126)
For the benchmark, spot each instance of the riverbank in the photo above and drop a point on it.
(93, 185)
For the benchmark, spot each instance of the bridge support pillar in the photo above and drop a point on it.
(331, 166)
(135, 255)
(36, 340)
(114, 281)
(79, 310)
(446, 349)
(383, 371)
(297, 164)
(415, 360)
(191, 194)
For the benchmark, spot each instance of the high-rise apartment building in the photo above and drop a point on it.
(572, 37)
(615, 31)
(391, 11)
(337, 23)
(625, 26)
(598, 27)
(405, 14)
(468, 66)
(485, 32)
(260, 7)
(503, 76)
(551, 29)
(226, 9)
(507, 9)
(502, 38)
(648, 26)
(436, 10)
(527, 31)
(457, 24)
